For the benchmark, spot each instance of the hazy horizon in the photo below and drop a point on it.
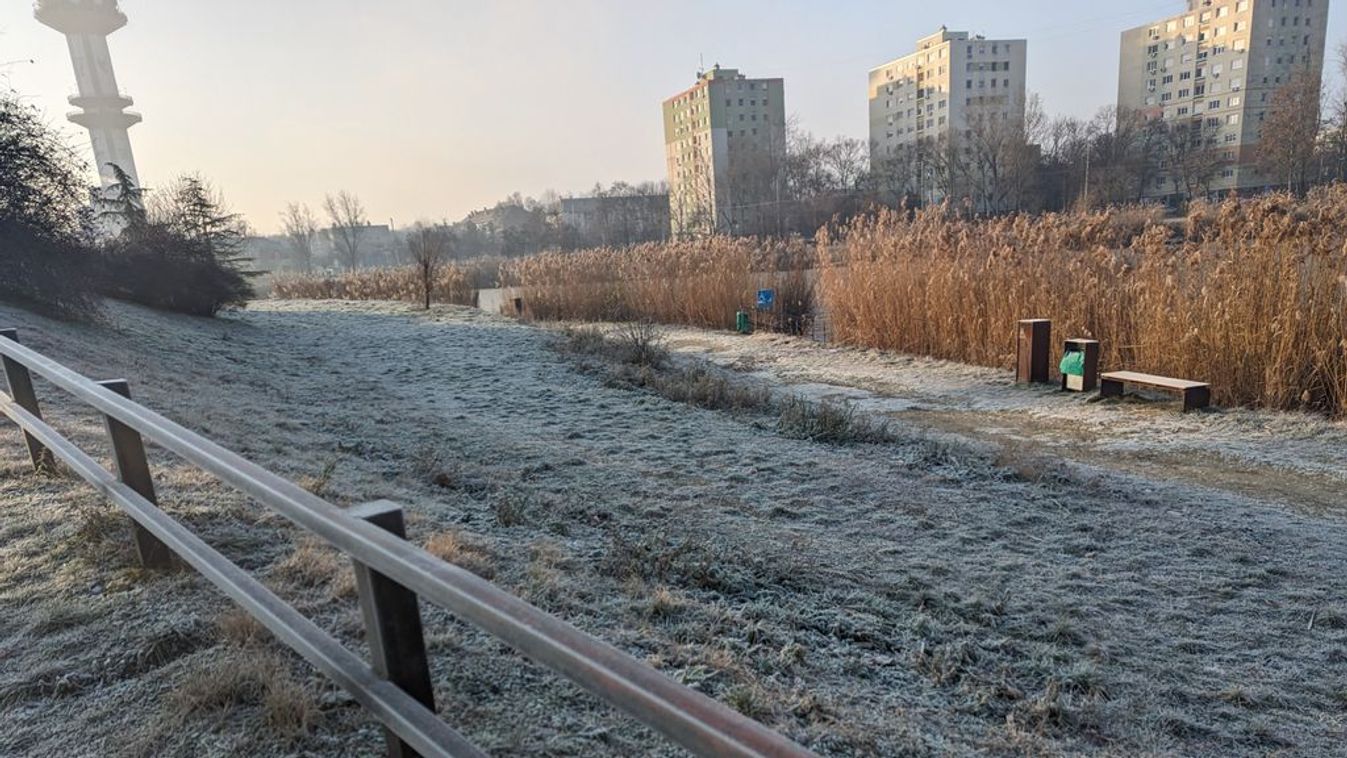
(429, 110)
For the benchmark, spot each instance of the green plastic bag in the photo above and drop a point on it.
(1073, 363)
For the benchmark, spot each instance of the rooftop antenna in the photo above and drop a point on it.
(701, 64)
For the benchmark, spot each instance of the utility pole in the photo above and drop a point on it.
(1088, 151)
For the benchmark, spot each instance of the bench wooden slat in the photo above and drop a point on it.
(1133, 377)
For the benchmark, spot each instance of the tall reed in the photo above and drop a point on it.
(452, 285)
(700, 283)
(1250, 295)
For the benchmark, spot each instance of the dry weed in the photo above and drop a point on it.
(314, 565)
(452, 547)
(252, 679)
(240, 628)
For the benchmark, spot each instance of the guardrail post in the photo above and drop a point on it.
(133, 468)
(393, 623)
(21, 389)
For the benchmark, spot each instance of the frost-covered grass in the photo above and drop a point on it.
(920, 596)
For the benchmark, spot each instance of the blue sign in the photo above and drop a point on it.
(765, 299)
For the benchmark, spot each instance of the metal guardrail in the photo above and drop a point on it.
(391, 575)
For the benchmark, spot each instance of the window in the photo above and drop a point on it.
(1235, 101)
(1232, 119)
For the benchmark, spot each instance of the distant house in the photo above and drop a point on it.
(379, 246)
(617, 219)
(502, 218)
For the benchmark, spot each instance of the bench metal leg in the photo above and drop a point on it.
(1110, 388)
(1198, 397)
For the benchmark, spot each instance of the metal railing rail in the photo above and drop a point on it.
(686, 717)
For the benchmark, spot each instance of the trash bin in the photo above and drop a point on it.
(1033, 351)
(1080, 365)
(742, 324)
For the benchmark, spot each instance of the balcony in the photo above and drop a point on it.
(118, 102)
(97, 17)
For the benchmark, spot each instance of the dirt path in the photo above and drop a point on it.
(919, 597)
(1294, 460)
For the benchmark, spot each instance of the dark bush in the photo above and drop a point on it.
(45, 260)
(164, 270)
(182, 255)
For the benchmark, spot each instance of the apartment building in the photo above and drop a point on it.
(937, 97)
(725, 141)
(1215, 68)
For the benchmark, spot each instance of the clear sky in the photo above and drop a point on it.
(432, 108)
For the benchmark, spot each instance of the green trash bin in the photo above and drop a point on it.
(1073, 363)
(742, 323)
(1080, 365)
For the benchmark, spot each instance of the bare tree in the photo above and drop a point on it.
(348, 220)
(1191, 158)
(1290, 135)
(300, 228)
(429, 248)
(1334, 154)
(845, 159)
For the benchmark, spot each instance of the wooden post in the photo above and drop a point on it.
(133, 468)
(393, 623)
(1033, 349)
(21, 389)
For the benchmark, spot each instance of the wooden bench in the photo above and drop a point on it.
(1195, 394)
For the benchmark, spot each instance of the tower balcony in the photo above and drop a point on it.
(104, 119)
(98, 17)
(116, 102)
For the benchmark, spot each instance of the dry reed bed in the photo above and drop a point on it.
(1248, 294)
(452, 285)
(700, 283)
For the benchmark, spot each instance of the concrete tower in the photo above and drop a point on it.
(86, 25)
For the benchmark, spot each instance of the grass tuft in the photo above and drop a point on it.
(452, 547)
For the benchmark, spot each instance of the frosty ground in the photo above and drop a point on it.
(1016, 572)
